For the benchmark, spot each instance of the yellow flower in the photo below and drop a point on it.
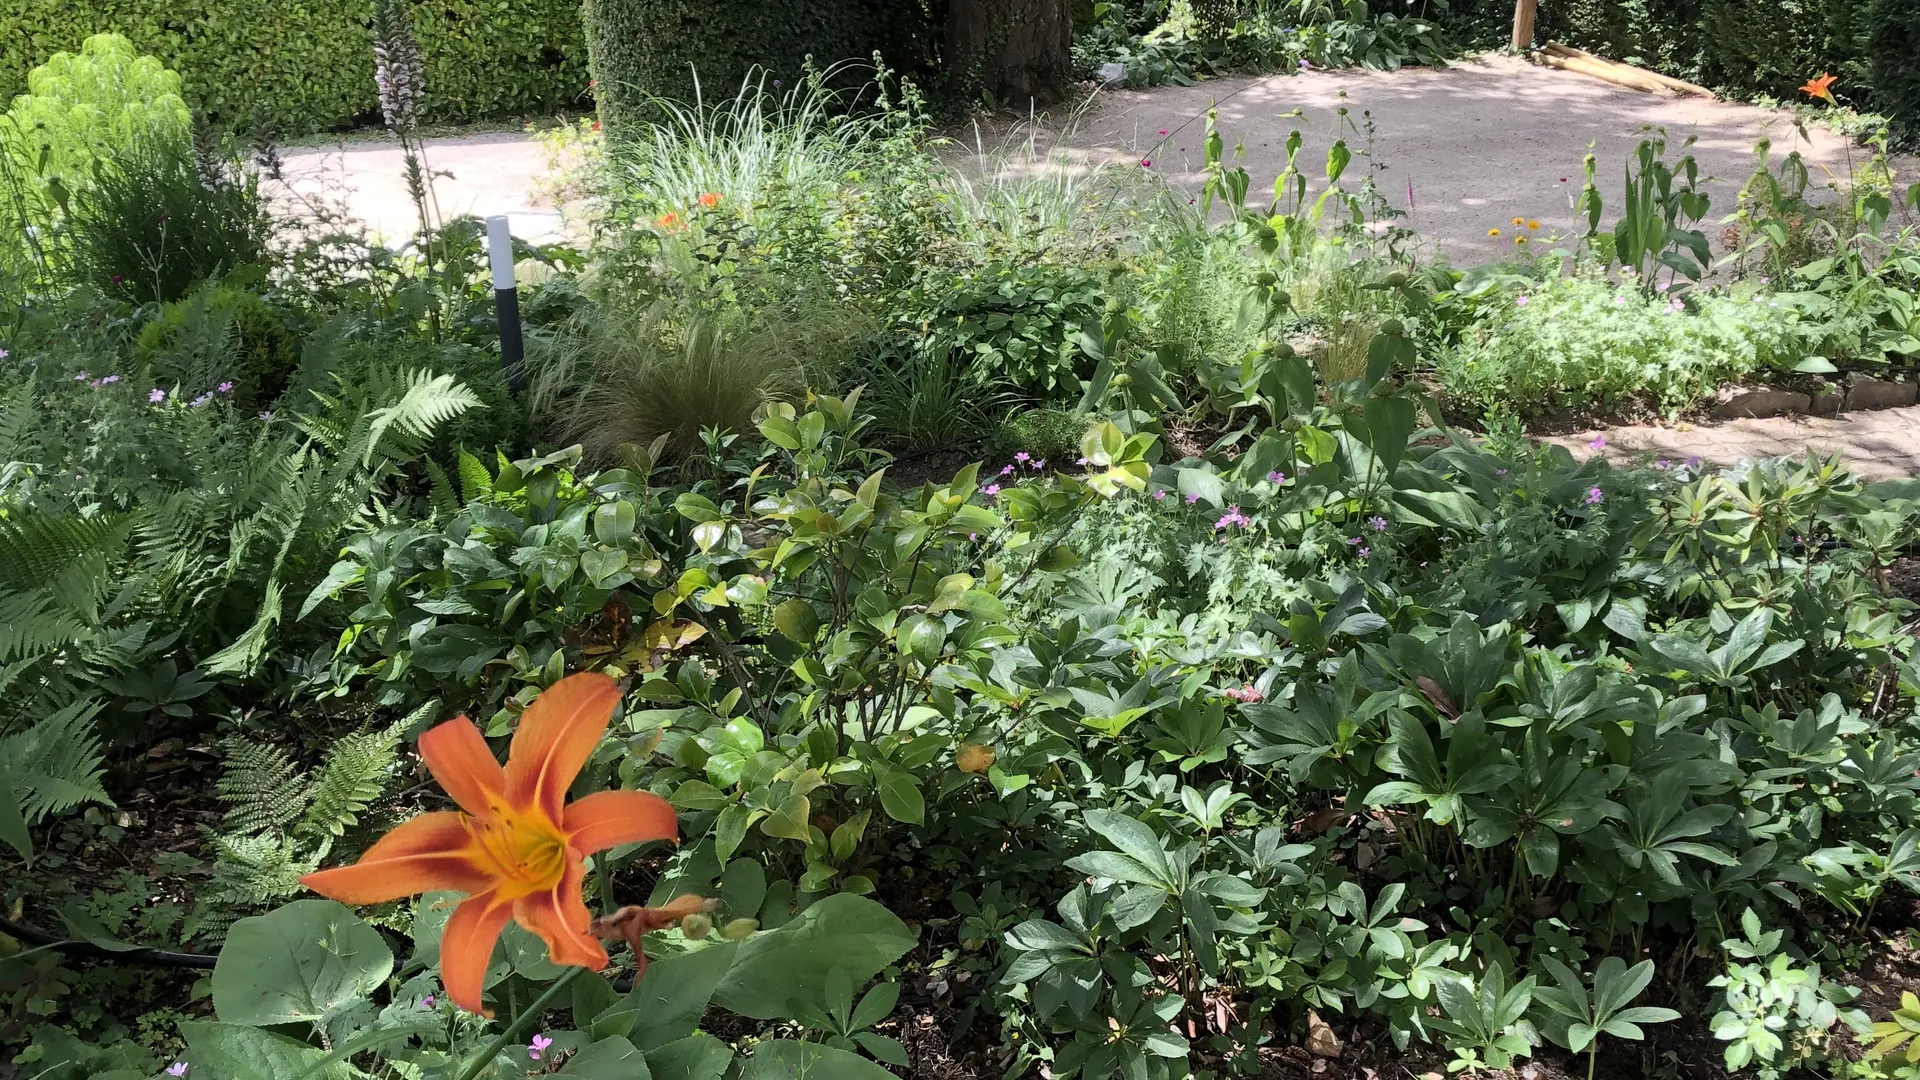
(1493, 232)
(1519, 239)
(1519, 221)
(1532, 224)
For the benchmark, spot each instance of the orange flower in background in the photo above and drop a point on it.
(710, 200)
(516, 846)
(1820, 88)
(668, 220)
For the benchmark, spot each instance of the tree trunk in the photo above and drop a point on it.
(1016, 50)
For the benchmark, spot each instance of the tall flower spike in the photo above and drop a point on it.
(399, 71)
(515, 846)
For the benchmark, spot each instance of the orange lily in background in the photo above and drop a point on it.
(1820, 88)
(516, 846)
(710, 200)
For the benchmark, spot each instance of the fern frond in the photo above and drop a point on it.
(430, 401)
(246, 651)
(357, 770)
(259, 869)
(476, 482)
(262, 787)
(56, 762)
(446, 502)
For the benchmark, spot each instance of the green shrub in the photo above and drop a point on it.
(1581, 341)
(160, 216)
(645, 49)
(78, 109)
(297, 67)
(222, 333)
(1043, 434)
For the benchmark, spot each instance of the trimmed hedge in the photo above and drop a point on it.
(299, 66)
(649, 48)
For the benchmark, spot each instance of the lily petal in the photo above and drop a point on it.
(557, 734)
(433, 851)
(609, 818)
(560, 918)
(466, 947)
(457, 755)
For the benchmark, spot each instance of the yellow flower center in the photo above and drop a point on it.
(526, 848)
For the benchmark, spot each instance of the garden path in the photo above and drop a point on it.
(1465, 149)
(1478, 144)
(1877, 445)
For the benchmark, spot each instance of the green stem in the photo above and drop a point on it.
(1593, 1056)
(479, 1063)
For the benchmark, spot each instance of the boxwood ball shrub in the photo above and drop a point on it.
(297, 67)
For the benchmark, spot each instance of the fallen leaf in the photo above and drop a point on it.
(1321, 1041)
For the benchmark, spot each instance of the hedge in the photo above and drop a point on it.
(648, 48)
(300, 66)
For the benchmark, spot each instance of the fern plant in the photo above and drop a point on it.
(282, 820)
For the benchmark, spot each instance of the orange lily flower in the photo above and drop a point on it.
(669, 220)
(709, 200)
(1820, 88)
(516, 846)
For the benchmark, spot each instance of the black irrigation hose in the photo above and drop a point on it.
(153, 957)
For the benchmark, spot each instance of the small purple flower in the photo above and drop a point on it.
(201, 400)
(1364, 552)
(1160, 496)
(1662, 463)
(1619, 301)
(1276, 477)
(82, 377)
(1146, 163)
(990, 490)
(109, 380)
(268, 415)
(1499, 472)
(156, 396)
(1594, 496)
(1040, 464)
(4, 354)
(1303, 64)
(1353, 541)
(1082, 462)
(1520, 301)
(539, 1044)
(1191, 499)
(427, 1002)
(1378, 523)
(972, 537)
(1599, 442)
(178, 1068)
(1007, 471)
(225, 388)
(1693, 462)
(1023, 457)
(1763, 280)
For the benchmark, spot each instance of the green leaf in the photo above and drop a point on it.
(793, 962)
(241, 1052)
(696, 1057)
(783, 1059)
(299, 963)
(900, 797)
(608, 1059)
(1134, 838)
(670, 998)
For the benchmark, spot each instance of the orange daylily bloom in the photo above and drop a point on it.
(516, 846)
(1820, 88)
(710, 200)
(668, 220)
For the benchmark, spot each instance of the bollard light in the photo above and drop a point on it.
(506, 302)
